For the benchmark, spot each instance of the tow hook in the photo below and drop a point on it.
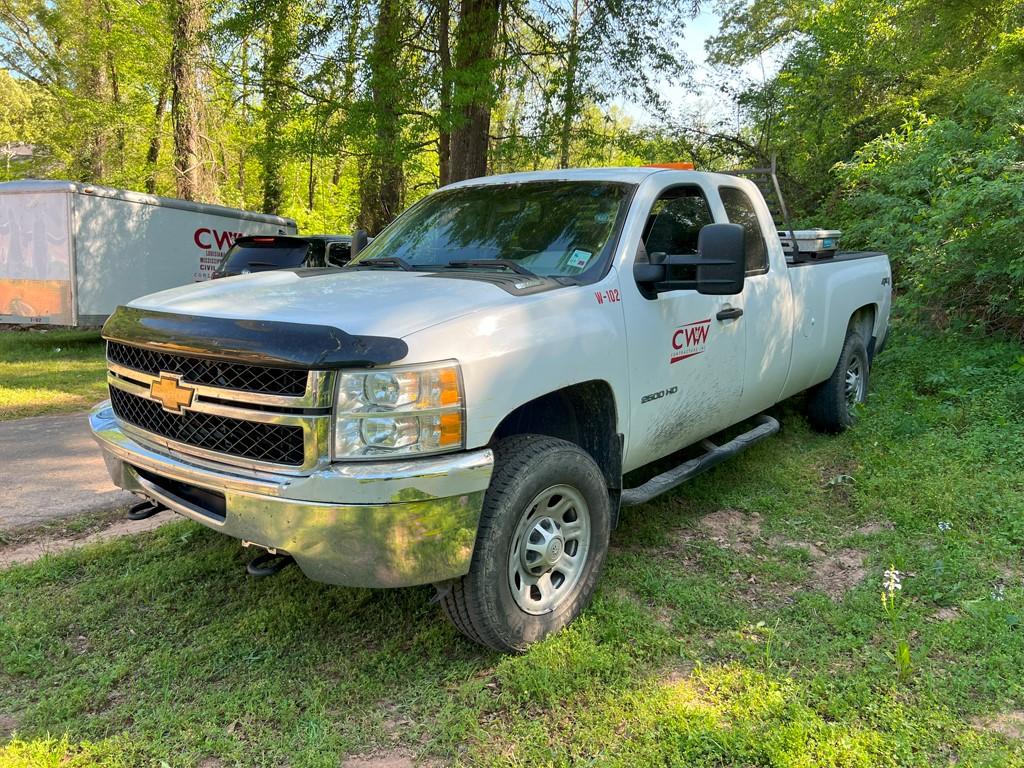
(145, 509)
(269, 563)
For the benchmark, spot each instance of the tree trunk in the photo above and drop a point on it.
(569, 91)
(115, 86)
(348, 83)
(473, 92)
(189, 24)
(382, 180)
(444, 60)
(93, 165)
(153, 155)
(277, 74)
(311, 197)
(245, 114)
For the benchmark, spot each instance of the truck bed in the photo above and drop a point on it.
(804, 259)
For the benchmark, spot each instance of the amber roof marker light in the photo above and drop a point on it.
(672, 166)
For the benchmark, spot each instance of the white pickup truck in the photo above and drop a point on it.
(460, 404)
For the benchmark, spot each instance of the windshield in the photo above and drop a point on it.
(259, 256)
(551, 228)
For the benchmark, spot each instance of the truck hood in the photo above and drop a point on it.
(363, 302)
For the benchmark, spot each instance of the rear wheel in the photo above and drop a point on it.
(832, 405)
(542, 540)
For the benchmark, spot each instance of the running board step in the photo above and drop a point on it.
(716, 454)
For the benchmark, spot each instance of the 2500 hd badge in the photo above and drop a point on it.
(658, 395)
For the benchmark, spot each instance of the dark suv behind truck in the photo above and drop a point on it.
(259, 253)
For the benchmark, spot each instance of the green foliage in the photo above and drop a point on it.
(945, 197)
(914, 109)
(319, 111)
(89, 69)
(899, 122)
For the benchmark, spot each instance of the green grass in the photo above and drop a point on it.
(695, 652)
(50, 372)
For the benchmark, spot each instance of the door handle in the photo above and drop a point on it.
(729, 314)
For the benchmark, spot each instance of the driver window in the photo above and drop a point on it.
(674, 225)
(675, 220)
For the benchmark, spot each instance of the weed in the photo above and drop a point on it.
(891, 588)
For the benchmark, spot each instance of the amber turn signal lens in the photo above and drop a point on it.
(451, 429)
(449, 381)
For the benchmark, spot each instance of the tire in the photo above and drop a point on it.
(495, 603)
(832, 405)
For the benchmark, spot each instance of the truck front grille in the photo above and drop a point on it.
(270, 443)
(215, 373)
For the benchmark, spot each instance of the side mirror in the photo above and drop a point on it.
(652, 275)
(359, 241)
(722, 254)
(720, 262)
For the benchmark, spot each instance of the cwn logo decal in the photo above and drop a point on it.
(213, 244)
(689, 340)
(214, 240)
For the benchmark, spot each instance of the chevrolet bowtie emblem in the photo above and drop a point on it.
(168, 391)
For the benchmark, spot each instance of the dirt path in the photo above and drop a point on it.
(32, 550)
(50, 468)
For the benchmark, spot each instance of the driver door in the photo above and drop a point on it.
(686, 358)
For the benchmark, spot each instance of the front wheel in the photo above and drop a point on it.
(542, 540)
(832, 405)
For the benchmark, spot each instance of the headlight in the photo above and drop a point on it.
(398, 411)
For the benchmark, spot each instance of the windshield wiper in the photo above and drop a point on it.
(386, 261)
(262, 264)
(514, 266)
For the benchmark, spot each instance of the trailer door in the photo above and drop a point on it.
(36, 264)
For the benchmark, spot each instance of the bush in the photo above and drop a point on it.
(945, 198)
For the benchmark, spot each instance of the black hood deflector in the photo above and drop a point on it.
(260, 342)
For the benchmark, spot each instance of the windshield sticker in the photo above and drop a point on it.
(579, 259)
(689, 340)
(603, 217)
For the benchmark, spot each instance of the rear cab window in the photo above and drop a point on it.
(740, 210)
(339, 254)
(259, 253)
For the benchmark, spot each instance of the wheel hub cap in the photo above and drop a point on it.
(541, 547)
(854, 385)
(549, 549)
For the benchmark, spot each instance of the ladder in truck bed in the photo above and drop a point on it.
(767, 180)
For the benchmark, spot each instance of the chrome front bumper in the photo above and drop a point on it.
(360, 524)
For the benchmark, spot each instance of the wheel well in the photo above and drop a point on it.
(863, 321)
(583, 414)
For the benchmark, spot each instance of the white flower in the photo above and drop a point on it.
(892, 580)
(945, 525)
(999, 593)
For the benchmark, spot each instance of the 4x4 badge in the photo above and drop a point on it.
(168, 391)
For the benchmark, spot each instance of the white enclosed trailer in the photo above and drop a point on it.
(71, 253)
